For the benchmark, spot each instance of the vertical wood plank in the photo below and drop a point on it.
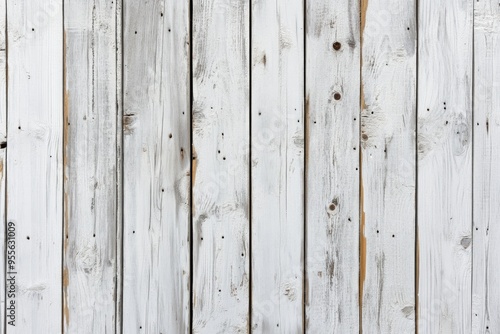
(90, 167)
(221, 166)
(332, 165)
(35, 161)
(156, 126)
(388, 127)
(486, 270)
(445, 165)
(277, 166)
(3, 154)
(119, 167)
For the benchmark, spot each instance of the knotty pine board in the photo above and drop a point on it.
(332, 166)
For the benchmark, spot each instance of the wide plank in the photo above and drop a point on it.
(277, 166)
(90, 198)
(156, 166)
(486, 129)
(332, 166)
(35, 161)
(388, 159)
(221, 166)
(444, 168)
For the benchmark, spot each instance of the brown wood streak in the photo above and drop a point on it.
(362, 237)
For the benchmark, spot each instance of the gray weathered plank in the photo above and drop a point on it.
(388, 126)
(3, 155)
(486, 269)
(332, 165)
(277, 166)
(35, 160)
(156, 126)
(90, 167)
(444, 165)
(221, 166)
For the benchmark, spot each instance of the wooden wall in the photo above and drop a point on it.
(237, 166)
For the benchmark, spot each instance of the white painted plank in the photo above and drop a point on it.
(332, 166)
(221, 166)
(35, 160)
(277, 166)
(89, 288)
(444, 166)
(388, 127)
(3, 155)
(486, 269)
(156, 127)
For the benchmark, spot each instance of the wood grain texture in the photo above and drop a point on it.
(486, 269)
(332, 165)
(119, 167)
(445, 165)
(89, 285)
(388, 127)
(277, 166)
(156, 127)
(220, 179)
(35, 160)
(3, 154)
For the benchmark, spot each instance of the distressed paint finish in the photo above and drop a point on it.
(332, 166)
(156, 127)
(388, 124)
(3, 153)
(90, 167)
(277, 166)
(486, 269)
(221, 208)
(35, 160)
(445, 165)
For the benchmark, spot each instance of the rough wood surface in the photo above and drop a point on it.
(35, 160)
(277, 166)
(444, 165)
(332, 165)
(90, 167)
(388, 126)
(486, 129)
(221, 126)
(3, 154)
(156, 127)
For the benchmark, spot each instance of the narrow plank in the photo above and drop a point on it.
(332, 165)
(486, 270)
(119, 167)
(89, 289)
(221, 166)
(35, 161)
(156, 126)
(3, 155)
(444, 165)
(388, 152)
(277, 166)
